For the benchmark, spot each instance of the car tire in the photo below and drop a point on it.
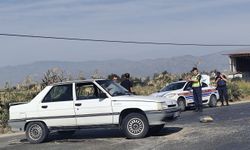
(135, 125)
(182, 104)
(212, 101)
(156, 129)
(36, 132)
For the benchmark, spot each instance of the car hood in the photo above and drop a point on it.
(160, 94)
(140, 98)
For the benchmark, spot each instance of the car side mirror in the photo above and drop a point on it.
(103, 95)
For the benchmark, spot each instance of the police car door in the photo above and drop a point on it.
(206, 92)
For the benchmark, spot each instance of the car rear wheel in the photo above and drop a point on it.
(212, 101)
(135, 125)
(182, 104)
(36, 132)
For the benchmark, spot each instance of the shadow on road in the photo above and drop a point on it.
(97, 134)
(168, 131)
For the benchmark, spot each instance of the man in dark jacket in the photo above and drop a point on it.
(126, 83)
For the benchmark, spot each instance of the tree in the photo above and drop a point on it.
(96, 75)
(52, 76)
(81, 76)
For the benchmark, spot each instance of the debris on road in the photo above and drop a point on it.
(206, 119)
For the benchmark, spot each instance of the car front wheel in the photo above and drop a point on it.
(135, 125)
(182, 104)
(36, 132)
(213, 101)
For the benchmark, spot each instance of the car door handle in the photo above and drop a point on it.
(45, 106)
(78, 104)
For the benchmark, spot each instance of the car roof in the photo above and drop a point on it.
(76, 81)
(178, 81)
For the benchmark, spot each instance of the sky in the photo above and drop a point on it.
(180, 21)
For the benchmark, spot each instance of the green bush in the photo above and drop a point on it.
(234, 91)
(4, 119)
(245, 88)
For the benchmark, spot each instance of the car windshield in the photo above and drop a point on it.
(113, 88)
(173, 86)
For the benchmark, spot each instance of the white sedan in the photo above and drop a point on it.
(182, 92)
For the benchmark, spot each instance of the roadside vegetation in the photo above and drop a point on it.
(28, 89)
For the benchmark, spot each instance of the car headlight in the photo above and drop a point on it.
(170, 95)
(162, 106)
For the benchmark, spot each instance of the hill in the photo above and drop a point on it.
(142, 68)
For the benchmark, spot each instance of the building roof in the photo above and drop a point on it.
(238, 53)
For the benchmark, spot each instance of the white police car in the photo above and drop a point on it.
(182, 92)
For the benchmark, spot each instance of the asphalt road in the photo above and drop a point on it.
(230, 130)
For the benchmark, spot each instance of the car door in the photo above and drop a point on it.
(57, 108)
(189, 92)
(90, 108)
(206, 92)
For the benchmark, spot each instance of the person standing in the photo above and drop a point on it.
(126, 83)
(221, 82)
(115, 78)
(196, 86)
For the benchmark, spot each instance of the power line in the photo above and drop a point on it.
(119, 41)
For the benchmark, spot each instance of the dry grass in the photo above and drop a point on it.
(244, 87)
(144, 90)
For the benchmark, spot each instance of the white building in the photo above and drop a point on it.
(240, 63)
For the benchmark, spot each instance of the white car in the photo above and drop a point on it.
(65, 107)
(182, 92)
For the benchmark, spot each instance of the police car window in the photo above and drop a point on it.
(204, 84)
(188, 86)
(173, 86)
(87, 91)
(59, 93)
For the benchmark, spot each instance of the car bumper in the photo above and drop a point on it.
(161, 117)
(17, 125)
(204, 102)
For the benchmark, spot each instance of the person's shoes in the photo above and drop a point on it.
(228, 105)
(200, 110)
(222, 105)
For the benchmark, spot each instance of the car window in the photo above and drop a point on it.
(59, 93)
(173, 86)
(113, 88)
(204, 84)
(188, 86)
(87, 91)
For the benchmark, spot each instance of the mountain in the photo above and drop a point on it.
(141, 68)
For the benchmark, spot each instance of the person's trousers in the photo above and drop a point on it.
(197, 93)
(223, 94)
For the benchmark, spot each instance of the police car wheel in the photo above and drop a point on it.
(213, 101)
(182, 104)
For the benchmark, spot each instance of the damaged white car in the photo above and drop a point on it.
(66, 107)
